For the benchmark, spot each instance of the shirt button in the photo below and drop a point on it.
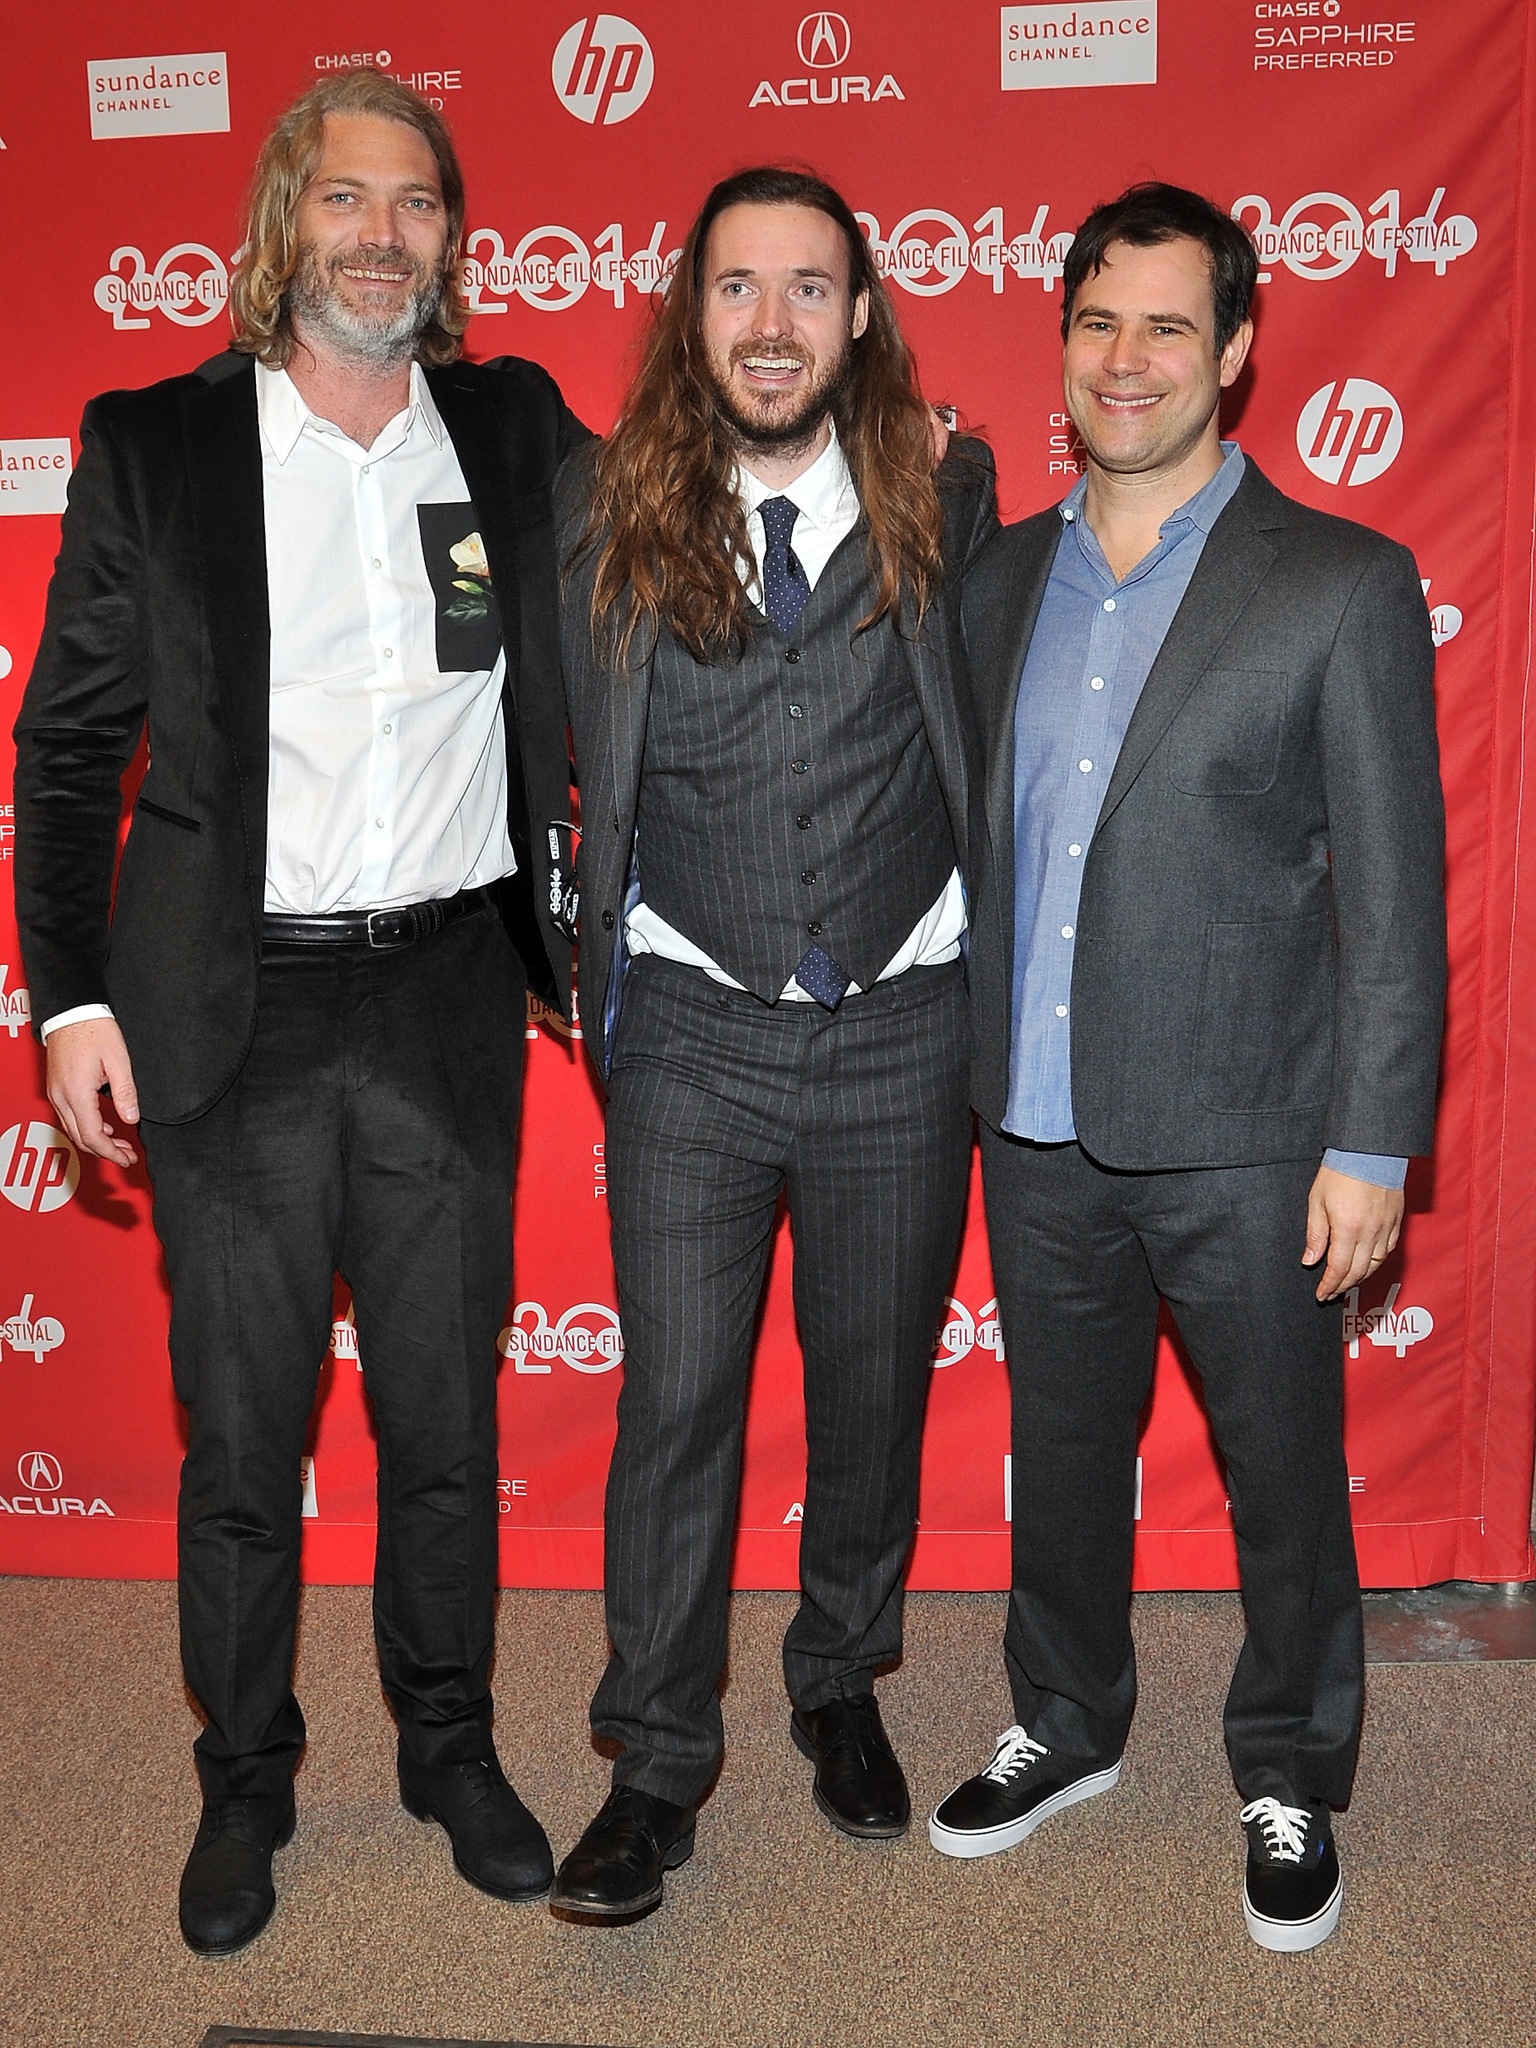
(379, 822)
(389, 654)
(809, 876)
(792, 654)
(1074, 849)
(799, 767)
(1066, 931)
(389, 728)
(804, 823)
(797, 711)
(1086, 767)
(1109, 604)
(814, 930)
(1097, 683)
(366, 467)
(1061, 1009)
(1069, 516)
(377, 563)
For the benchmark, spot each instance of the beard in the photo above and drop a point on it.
(775, 427)
(381, 340)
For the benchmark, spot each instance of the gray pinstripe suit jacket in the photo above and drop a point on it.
(608, 711)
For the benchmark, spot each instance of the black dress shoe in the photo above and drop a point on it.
(859, 1784)
(615, 1871)
(226, 1888)
(497, 1843)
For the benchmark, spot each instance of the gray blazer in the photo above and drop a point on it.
(1259, 970)
(608, 709)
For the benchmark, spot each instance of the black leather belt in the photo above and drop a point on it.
(376, 928)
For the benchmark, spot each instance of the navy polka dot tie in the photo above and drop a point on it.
(785, 587)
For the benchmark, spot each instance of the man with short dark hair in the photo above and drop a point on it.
(777, 763)
(1208, 966)
(295, 565)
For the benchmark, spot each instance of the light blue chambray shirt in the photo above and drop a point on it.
(1091, 652)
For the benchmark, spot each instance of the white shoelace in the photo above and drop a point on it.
(1016, 1752)
(1285, 1828)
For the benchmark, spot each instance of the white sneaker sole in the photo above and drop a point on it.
(991, 1841)
(1295, 1937)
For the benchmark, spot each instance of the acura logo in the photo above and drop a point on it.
(824, 40)
(39, 1473)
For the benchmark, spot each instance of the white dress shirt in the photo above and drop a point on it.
(387, 781)
(828, 506)
(387, 777)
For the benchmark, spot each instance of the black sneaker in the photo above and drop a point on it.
(1023, 1785)
(1294, 1888)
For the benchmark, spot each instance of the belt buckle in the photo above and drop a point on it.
(398, 937)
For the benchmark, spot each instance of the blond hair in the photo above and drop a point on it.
(289, 157)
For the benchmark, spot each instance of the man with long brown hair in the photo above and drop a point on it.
(293, 565)
(778, 772)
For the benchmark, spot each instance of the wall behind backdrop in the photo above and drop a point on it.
(1384, 165)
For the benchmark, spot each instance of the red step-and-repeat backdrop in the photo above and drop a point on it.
(1384, 167)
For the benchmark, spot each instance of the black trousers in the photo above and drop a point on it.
(1080, 1255)
(371, 1131)
(717, 1104)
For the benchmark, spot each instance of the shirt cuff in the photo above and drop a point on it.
(1381, 1169)
(76, 1016)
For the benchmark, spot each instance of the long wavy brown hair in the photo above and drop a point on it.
(258, 289)
(665, 514)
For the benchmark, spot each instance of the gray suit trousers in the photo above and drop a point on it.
(1080, 1255)
(718, 1104)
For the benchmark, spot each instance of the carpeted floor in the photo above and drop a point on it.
(1117, 1927)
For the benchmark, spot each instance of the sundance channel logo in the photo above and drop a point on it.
(186, 95)
(34, 476)
(1046, 47)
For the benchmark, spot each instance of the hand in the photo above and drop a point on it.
(941, 420)
(82, 1059)
(1356, 1223)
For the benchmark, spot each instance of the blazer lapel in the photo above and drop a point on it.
(474, 431)
(1028, 573)
(1232, 564)
(223, 443)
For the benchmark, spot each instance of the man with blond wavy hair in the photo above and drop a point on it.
(321, 570)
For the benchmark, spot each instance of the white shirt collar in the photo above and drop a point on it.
(821, 494)
(283, 416)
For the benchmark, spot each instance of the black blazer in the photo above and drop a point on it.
(608, 710)
(1259, 970)
(157, 612)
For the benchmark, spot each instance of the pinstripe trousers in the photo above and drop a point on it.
(717, 1104)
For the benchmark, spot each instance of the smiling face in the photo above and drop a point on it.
(1142, 376)
(373, 241)
(778, 321)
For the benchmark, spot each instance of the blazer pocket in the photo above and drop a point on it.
(1264, 1034)
(1226, 738)
(171, 817)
